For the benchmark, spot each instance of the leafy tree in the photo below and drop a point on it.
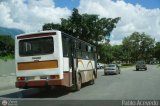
(109, 53)
(105, 52)
(157, 51)
(6, 45)
(118, 53)
(138, 46)
(87, 27)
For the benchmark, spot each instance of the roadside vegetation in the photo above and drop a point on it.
(6, 47)
(8, 57)
(137, 46)
(157, 51)
(127, 65)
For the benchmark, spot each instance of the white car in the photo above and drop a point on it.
(100, 65)
(111, 69)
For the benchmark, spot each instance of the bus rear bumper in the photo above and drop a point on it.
(30, 84)
(20, 84)
(35, 84)
(47, 82)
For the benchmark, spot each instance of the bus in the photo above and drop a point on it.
(53, 58)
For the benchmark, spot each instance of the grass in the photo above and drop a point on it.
(8, 57)
(127, 65)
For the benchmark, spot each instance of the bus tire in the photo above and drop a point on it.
(79, 82)
(93, 80)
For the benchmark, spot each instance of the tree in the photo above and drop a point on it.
(6, 45)
(105, 52)
(87, 27)
(157, 51)
(138, 46)
(109, 53)
(117, 52)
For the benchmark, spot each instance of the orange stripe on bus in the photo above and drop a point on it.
(38, 65)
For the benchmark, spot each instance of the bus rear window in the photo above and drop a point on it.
(36, 46)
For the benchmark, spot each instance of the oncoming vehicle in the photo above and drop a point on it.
(53, 58)
(111, 69)
(141, 65)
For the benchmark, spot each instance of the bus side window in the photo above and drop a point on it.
(89, 48)
(65, 46)
(79, 51)
(90, 52)
(87, 52)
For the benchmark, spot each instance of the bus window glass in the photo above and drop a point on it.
(86, 48)
(89, 48)
(79, 46)
(36, 46)
(66, 45)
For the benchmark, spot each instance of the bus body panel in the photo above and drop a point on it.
(86, 64)
(66, 64)
(57, 55)
(86, 68)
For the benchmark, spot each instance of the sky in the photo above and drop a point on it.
(136, 15)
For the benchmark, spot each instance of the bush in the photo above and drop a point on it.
(8, 57)
(127, 64)
(6, 47)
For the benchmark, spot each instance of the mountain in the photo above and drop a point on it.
(10, 31)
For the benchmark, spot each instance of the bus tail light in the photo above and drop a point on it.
(54, 77)
(20, 78)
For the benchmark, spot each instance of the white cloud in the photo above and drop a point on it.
(133, 17)
(30, 15)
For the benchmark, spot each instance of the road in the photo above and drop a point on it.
(129, 85)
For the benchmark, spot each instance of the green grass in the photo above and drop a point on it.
(8, 57)
(127, 65)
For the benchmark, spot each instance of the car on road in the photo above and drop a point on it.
(100, 66)
(112, 69)
(141, 65)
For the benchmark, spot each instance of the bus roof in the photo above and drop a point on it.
(40, 32)
(50, 32)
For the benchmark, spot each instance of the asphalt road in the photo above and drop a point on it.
(129, 85)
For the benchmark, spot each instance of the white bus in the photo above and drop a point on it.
(53, 58)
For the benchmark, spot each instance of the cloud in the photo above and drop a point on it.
(30, 15)
(133, 17)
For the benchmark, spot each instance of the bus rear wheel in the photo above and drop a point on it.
(79, 82)
(92, 81)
